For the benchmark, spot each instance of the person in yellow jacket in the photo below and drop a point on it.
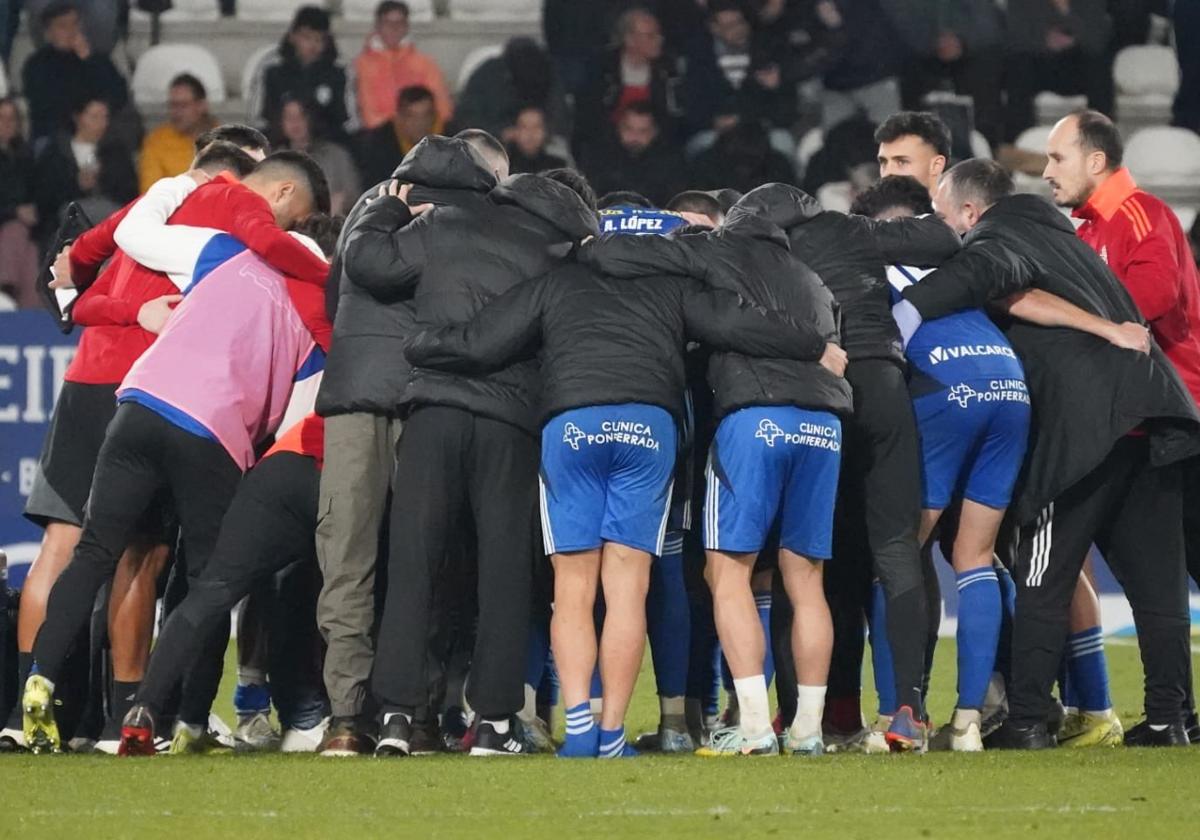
(168, 150)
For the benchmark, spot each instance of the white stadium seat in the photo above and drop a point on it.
(809, 145)
(1034, 139)
(419, 10)
(251, 69)
(1146, 79)
(1166, 162)
(980, 147)
(158, 65)
(497, 9)
(475, 58)
(3, 81)
(280, 10)
(1050, 107)
(1187, 216)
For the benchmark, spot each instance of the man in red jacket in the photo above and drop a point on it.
(127, 305)
(1143, 242)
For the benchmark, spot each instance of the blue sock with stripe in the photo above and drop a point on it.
(1008, 590)
(762, 603)
(1087, 671)
(612, 744)
(668, 620)
(881, 652)
(979, 617)
(583, 736)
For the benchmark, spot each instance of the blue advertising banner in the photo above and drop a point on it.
(34, 355)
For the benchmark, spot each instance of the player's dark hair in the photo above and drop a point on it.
(413, 94)
(726, 197)
(239, 135)
(695, 201)
(388, 6)
(221, 156)
(576, 182)
(625, 21)
(311, 17)
(624, 198)
(1098, 133)
(639, 107)
(56, 10)
(190, 82)
(322, 229)
(923, 124)
(891, 192)
(981, 181)
(483, 142)
(716, 7)
(301, 166)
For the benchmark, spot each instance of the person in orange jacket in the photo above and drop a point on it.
(389, 63)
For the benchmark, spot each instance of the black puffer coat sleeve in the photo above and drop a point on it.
(505, 331)
(385, 251)
(725, 321)
(985, 271)
(921, 242)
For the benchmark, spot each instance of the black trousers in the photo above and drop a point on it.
(1070, 73)
(1133, 513)
(451, 462)
(142, 455)
(875, 530)
(269, 525)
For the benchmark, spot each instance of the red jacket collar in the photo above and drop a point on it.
(1107, 198)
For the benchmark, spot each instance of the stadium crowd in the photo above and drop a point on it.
(460, 443)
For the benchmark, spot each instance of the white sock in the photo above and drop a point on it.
(529, 710)
(249, 675)
(597, 704)
(810, 707)
(671, 706)
(387, 717)
(501, 726)
(753, 705)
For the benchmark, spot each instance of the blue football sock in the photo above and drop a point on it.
(881, 652)
(668, 620)
(612, 744)
(979, 615)
(251, 699)
(1087, 671)
(583, 736)
(762, 602)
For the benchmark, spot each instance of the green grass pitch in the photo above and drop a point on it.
(1117, 793)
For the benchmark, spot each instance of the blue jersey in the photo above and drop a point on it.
(639, 220)
(962, 347)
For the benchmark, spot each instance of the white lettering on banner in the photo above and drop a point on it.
(944, 354)
(39, 400)
(35, 355)
(816, 435)
(27, 469)
(10, 413)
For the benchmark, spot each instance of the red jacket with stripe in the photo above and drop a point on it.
(1141, 239)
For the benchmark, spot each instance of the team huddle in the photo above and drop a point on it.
(468, 451)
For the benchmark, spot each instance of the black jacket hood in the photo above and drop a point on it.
(624, 257)
(445, 163)
(781, 204)
(554, 203)
(1031, 208)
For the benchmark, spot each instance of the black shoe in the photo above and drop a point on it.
(1141, 735)
(1013, 737)
(490, 742)
(12, 741)
(1192, 724)
(395, 738)
(454, 729)
(426, 738)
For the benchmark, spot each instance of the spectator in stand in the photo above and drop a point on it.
(306, 65)
(635, 71)
(381, 150)
(1186, 17)
(389, 63)
(637, 158)
(63, 71)
(169, 149)
(84, 165)
(501, 87)
(735, 74)
(742, 159)
(1059, 46)
(18, 214)
(527, 144)
(104, 22)
(955, 45)
(300, 130)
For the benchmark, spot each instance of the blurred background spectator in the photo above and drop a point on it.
(741, 159)
(520, 77)
(103, 21)
(389, 63)
(84, 164)
(299, 128)
(306, 65)
(635, 156)
(18, 213)
(169, 149)
(381, 150)
(64, 70)
(526, 143)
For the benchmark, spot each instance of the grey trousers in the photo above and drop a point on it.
(360, 452)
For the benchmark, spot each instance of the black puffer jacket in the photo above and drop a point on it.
(374, 316)
(605, 340)
(457, 257)
(850, 254)
(1086, 393)
(748, 255)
